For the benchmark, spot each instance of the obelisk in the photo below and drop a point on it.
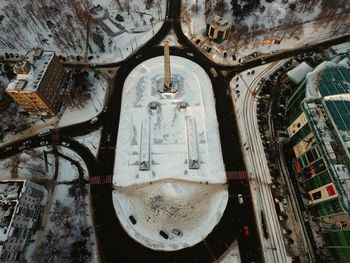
(167, 74)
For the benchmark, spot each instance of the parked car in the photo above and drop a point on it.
(132, 219)
(163, 234)
(246, 230)
(177, 232)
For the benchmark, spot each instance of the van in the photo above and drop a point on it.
(44, 132)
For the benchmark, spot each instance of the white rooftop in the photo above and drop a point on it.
(9, 195)
(169, 173)
(34, 76)
(298, 73)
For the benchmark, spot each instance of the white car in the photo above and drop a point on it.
(65, 144)
(240, 198)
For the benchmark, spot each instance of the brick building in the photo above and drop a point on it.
(40, 79)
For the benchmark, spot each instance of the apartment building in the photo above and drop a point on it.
(20, 206)
(37, 87)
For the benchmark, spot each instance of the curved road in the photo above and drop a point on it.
(113, 242)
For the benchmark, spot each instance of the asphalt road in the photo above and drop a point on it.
(113, 242)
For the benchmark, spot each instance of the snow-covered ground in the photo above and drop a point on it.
(91, 140)
(92, 107)
(169, 149)
(27, 165)
(67, 170)
(60, 26)
(270, 21)
(78, 219)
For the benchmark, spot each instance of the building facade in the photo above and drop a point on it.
(217, 29)
(20, 206)
(318, 116)
(38, 84)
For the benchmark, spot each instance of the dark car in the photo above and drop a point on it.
(132, 219)
(245, 230)
(163, 234)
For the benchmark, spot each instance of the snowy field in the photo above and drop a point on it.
(92, 106)
(91, 140)
(289, 22)
(170, 133)
(28, 164)
(116, 28)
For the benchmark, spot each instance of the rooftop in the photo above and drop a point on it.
(298, 73)
(9, 195)
(219, 23)
(30, 82)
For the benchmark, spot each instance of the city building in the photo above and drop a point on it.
(217, 29)
(20, 206)
(40, 78)
(318, 121)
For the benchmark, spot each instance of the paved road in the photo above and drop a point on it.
(114, 243)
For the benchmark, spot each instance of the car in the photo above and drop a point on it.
(240, 198)
(105, 108)
(23, 147)
(246, 230)
(66, 144)
(177, 232)
(213, 72)
(190, 54)
(108, 137)
(138, 56)
(93, 120)
(93, 65)
(285, 202)
(163, 234)
(9, 148)
(132, 219)
(44, 143)
(44, 132)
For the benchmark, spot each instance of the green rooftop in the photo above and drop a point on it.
(340, 111)
(334, 80)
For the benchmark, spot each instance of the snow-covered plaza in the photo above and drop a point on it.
(169, 175)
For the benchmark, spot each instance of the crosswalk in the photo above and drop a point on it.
(101, 179)
(236, 175)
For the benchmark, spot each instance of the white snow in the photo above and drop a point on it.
(91, 140)
(168, 126)
(168, 194)
(91, 108)
(61, 31)
(270, 23)
(27, 165)
(68, 171)
(298, 73)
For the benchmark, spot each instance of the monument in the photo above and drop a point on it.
(168, 85)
